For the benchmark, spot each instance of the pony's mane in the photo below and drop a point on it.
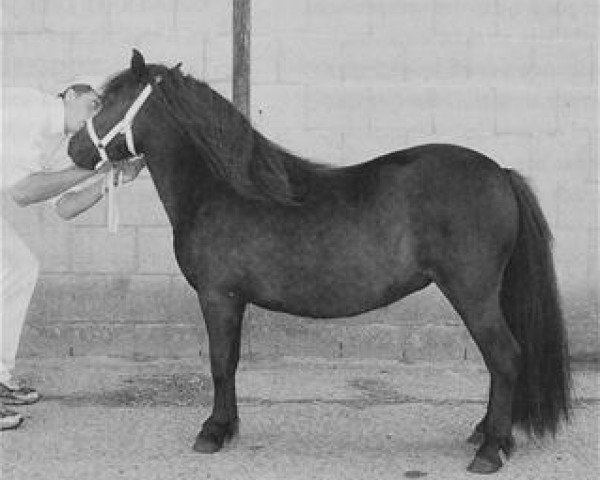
(235, 152)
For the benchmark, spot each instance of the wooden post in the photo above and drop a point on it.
(241, 55)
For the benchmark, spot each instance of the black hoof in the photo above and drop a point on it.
(484, 466)
(213, 435)
(508, 445)
(207, 444)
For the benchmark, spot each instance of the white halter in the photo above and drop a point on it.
(123, 127)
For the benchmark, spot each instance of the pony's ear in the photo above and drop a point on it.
(176, 67)
(138, 65)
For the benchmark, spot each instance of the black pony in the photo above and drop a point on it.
(253, 223)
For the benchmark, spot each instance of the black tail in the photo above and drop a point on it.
(530, 303)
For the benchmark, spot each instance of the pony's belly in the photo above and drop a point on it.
(341, 298)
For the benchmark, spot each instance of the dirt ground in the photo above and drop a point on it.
(106, 418)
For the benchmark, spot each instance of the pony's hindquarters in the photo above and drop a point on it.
(530, 303)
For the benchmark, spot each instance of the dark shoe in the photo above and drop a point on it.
(10, 395)
(9, 419)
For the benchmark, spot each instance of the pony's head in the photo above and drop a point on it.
(161, 112)
(117, 131)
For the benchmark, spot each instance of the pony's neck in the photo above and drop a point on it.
(182, 180)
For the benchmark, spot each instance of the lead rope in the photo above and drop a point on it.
(114, 180)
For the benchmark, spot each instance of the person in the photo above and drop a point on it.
(36, 168)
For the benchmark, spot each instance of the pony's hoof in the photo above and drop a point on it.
(508, 445)
(484, 466)
(207, 444)
(476, 438)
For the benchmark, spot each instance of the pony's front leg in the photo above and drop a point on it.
(223, 313)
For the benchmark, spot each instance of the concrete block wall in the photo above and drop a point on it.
(100, 293)
(338, 81)
(515, 79)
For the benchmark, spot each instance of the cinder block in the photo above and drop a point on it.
(322, 146)
(532, 18)
(218, 53)
(498, 61)
(412, 19)
(142, 15)
(577, 109)
(76, 298)
(103, 58)
(114, 299)
(372, 59)
(564, 159)
(266, 52)
(96, 250)
(434, 342)
(137, 341)
(578, 19)
(183, 305)
(208, 17)
(326, 16)
(405, 108)
(435, 309)
(464, 18)
(52, 245)
(332, 107)
(139, 204)
(526, 110)
(310, 59)
(22, 16)
(464, 110)
(279, 17)
(155, 251)
(36, 59)
(275, 108)
(434, 60)
(77, 16)
(565, 62)
(577, 207)
(571, 256)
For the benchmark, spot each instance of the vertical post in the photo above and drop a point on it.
(241, 55)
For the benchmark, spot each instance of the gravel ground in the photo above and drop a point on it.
(104, 418)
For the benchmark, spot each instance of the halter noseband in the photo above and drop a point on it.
(123, 127)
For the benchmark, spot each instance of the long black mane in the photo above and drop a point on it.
(225, 140)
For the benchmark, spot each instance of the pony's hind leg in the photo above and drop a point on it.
(480, 309)
(223, 317)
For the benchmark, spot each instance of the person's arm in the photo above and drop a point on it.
(73, 203)
(40, 186)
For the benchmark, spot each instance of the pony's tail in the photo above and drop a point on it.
(530, 303)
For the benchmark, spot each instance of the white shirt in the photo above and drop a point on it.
(33, 136)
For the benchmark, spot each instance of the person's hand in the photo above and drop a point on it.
(129, 168)
(102, 167)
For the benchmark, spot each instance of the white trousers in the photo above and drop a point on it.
(20, 271)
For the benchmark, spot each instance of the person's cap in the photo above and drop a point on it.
(79, 83)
